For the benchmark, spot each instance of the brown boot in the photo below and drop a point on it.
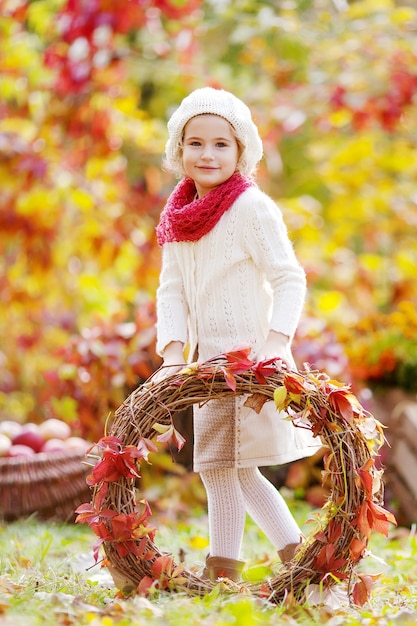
(220, 567)
(287, 554)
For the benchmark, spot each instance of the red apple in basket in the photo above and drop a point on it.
(29, 436)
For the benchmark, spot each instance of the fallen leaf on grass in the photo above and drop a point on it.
(8, 586)
(330, 597)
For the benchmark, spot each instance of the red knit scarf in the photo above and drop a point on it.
(185, 218)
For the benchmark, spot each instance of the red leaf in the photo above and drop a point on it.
(327, 563)
(382, 519)
(356, 548)
(239, 359)
(163, 565)
(146, 584)
(342, 402)
(100, 496)
(89, 514)
(142, 550)
(330, 534)
(229, 378)
(115, 464)
(294, 383)
(371, 516)
(114, 443)
(265, 591)
(366, 477)
(263, 369)
(362, 589)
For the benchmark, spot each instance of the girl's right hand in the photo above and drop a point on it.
(163, 372)
(173, 356)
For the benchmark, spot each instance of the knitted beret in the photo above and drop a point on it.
(215, 102)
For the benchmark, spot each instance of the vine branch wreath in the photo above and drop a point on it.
(350, 434)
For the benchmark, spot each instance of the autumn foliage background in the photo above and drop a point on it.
(86, 88)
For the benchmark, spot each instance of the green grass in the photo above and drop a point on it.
(46, 579)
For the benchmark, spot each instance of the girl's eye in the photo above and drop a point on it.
(221, 144)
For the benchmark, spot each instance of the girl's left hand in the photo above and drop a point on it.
(277, 346)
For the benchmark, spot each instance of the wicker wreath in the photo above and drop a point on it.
(311, 399)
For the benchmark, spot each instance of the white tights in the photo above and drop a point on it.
(233, 492)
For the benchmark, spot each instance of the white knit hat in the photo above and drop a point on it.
(226, 105)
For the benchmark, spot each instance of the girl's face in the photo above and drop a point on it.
(210, 152)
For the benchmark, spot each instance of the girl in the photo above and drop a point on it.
(229, 276)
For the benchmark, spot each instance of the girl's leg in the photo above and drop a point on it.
(268, 508)
(226, 512)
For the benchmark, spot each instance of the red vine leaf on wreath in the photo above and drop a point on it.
(89, 514)
(344, 403)
(109, 441)
(128, 528)
(263, 369)
(327, 562)
(294, 383)
(229, 378)
(356, 548)
(237, 362)
(164, 573)
(100, 495)
(371, 516)
(115, 464)
(369, 478)
(330, 534)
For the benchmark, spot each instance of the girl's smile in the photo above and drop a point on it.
(210, 152)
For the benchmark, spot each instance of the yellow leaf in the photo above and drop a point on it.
(340, 118)
(81, 199)
(295, 397)
(280, 395)
(330, 301)
(161, 428)
(402, 15)
(198, 543)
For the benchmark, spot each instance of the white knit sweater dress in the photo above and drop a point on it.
(229, 288)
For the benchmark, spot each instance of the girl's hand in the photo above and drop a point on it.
(163, 372)
(173, 361)
(277, 346)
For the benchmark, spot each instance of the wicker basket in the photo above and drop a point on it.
(51, 485)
